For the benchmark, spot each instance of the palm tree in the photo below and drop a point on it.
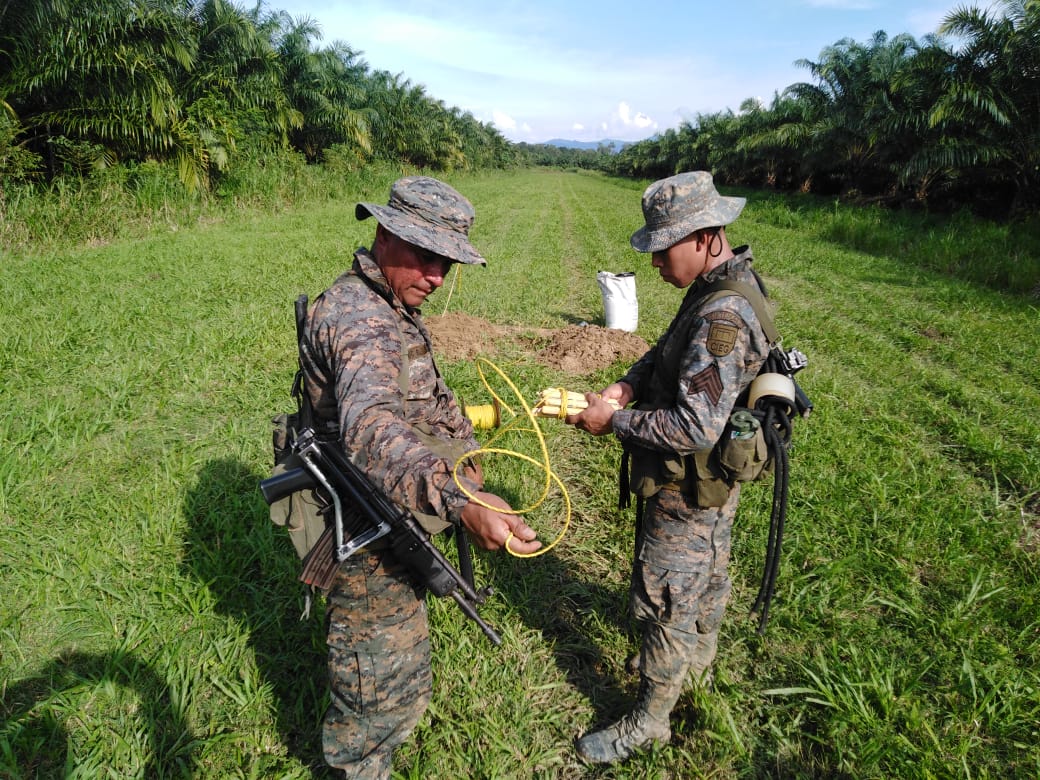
(925, 156)
(403, 119)
(837, 111)
(992, 91)
(325, 87)
(97, 79)
(778, 142)
(234, 89)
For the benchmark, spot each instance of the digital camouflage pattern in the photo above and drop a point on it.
(352, 363)
(686, 388)
(379, 664)
(681, 598)
(360, 345)
(428, 213)
(675, 207)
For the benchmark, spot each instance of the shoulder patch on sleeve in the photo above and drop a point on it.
(722, 332)
(724, 316)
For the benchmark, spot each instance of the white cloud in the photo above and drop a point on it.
(578, 126)
(623, 119)
(502, 120)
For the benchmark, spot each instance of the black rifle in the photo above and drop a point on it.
(367, 516)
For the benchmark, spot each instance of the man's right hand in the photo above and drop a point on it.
(490, 528)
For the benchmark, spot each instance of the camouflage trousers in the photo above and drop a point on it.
(680, 584)
(378, 663)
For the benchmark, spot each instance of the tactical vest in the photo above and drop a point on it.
(738, 456)
(303, 513)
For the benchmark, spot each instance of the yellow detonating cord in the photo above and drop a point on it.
(550, 475)
(451, 290)
(484, 417)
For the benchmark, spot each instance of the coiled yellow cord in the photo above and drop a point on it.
(484, 417)
(550, 475)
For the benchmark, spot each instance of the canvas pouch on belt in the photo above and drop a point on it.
(709, 475)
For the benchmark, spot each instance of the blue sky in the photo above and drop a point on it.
(545, 69)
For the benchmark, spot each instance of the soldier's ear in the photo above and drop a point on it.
(383, 237)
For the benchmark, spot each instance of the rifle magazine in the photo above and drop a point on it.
(320, 565)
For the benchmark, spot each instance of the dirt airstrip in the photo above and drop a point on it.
(574, 349)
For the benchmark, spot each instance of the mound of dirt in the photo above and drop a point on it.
(576, 349)
(579, 349)
(458, 336)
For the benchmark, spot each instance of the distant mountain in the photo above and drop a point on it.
(565, 144)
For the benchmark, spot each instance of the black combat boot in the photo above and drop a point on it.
(647, 723)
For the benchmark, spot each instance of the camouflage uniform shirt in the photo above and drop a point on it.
(704, 374)
(357, 332)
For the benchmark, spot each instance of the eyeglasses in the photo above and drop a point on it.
(432, 258)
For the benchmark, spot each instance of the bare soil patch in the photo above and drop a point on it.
(575, 349)
(579, 349)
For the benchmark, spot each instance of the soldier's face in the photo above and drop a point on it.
(412, 272)
(682, 262)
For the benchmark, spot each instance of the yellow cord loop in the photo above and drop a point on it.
(544, 465)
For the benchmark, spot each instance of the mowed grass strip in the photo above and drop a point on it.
(149, 625)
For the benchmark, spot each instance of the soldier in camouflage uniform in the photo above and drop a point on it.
(374, 386)
(684, 389)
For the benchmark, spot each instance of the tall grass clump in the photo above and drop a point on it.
(150, 620)
(133, 200)
(999, 255)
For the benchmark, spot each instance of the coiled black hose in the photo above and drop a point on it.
(776, 427)
(774, 415)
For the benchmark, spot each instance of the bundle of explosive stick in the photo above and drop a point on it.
(557, 402)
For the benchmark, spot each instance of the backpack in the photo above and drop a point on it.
(304, 512)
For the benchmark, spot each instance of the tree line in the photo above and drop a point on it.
(947, 121)
(86, 84)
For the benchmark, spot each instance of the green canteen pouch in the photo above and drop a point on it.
(742, 450)
(300, 512)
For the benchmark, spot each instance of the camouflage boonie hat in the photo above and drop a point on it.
(428, 213)
(679, 205)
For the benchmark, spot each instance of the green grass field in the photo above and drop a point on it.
(149, 624)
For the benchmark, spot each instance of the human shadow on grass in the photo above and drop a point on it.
(38, 715)
(251, 570)
(553, 600)
(232, 547)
